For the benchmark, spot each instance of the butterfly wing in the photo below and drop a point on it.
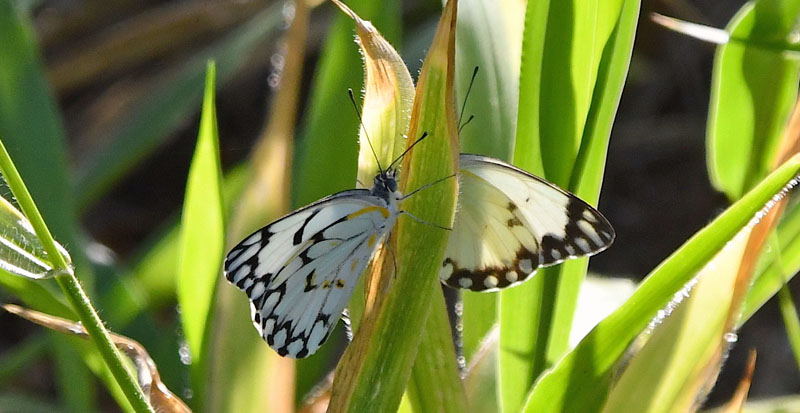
(510, 223)
(299, 271)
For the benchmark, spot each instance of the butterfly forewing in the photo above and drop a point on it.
(299, 272)
(510, 223)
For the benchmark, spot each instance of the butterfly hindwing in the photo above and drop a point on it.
(510, 223)
(299, 272)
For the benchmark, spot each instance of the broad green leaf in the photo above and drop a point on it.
(488, 36)
(202, 240)
(753, 90)
(579, 381)
(587, 175)
(174, 98)
(390, 333)
(563, 45)
(564, 123)
(435, 383)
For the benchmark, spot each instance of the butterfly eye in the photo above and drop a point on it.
(391, 184)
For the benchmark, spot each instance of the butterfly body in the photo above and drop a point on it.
(300, 271)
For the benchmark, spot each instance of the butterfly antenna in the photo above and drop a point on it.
(427, 186)
(471, 117)
(364, 128)
(424, 135)
(464, 105)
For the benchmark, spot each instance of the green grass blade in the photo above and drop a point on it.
(579, 381)
(575, 107)
(167, 108)
(753, 92)
(390, 334)
(202, 240)
(779, 265)
(790, 320)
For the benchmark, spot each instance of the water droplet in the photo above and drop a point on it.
(277, 60)
(287, 12)
(184, 353)
(273, 80)
(458, 308)
(731, 337)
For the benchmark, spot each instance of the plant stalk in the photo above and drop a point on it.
(72, 288)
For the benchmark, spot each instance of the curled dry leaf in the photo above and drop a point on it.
(740, 397)
(161, 398)
(386, 112)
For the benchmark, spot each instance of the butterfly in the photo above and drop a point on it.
(300, 271)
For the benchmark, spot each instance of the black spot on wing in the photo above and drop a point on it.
(298, 235)
(310, 282)
(475, 279)
(586, 232)
(304, 337)
(554, 250)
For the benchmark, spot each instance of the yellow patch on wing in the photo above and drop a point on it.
(367, 210)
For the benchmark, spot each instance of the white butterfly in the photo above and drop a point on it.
(299, 271)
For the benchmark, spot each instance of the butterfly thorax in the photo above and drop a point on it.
(384, 186)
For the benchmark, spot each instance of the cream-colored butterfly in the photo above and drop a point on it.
(299, 271)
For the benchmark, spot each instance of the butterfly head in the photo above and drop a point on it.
(385, 185)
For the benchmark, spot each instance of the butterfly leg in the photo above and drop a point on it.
(422, 221)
